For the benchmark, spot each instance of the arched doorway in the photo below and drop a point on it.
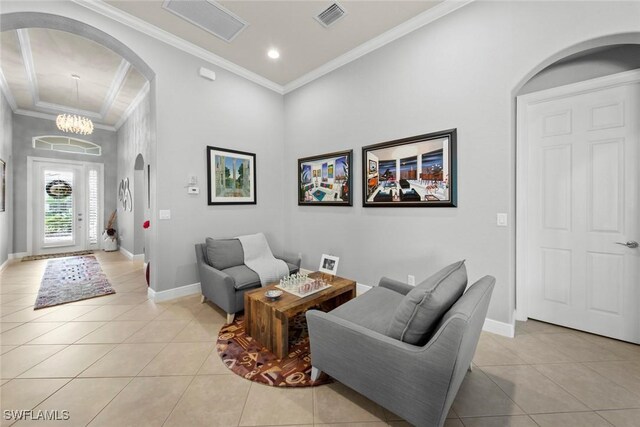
(26, 20)
(587, 68)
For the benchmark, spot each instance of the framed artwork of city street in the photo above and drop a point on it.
(419, 171)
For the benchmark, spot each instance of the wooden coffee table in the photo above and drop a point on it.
(268, 321)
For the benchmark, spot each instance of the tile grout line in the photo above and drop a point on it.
(112, 399)
(564, 388)
(499, 388)
(610, 380)
(175, 405)
(188, 385)
(130, 378)
(244, 405)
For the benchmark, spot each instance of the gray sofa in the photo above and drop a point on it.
(413, 370)
(223, 276)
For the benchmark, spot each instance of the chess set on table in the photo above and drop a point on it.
(301, 285)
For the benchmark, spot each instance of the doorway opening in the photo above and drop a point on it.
(578, 146)
(100, 102)
(67, 199)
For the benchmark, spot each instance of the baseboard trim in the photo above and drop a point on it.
(125, 252)
(132, 257)
(499, 328)
(5, 264)
(169, 294)
(18, 255)
(361, 289)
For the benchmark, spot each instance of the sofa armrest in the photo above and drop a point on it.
(292, 259)
(400, 376)
(216, 285)
(395, 285)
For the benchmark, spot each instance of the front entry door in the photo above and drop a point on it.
(583, 217)
(66, 203)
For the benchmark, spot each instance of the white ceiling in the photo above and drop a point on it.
(37, 64)
(289, 26)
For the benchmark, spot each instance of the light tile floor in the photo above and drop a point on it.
(124, 360)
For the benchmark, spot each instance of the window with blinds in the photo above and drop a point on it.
(93, 207)
(58, 207)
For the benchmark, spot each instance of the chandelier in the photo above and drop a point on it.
(72, 123)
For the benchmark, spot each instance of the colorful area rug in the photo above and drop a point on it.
(249, 359)
(72, 279)
(59, 255)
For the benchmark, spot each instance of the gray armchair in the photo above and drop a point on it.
(417, 382)
(223, 276)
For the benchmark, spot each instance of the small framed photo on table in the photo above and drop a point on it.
(329, 264)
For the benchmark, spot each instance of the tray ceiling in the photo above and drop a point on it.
(37, 65)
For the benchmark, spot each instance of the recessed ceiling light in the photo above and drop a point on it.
(273, 54)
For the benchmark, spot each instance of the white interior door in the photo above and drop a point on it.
(67, 202)
(582, 197)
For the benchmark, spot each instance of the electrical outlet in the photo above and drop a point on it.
(164, 214)
(411, 280)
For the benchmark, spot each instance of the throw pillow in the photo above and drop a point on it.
(420, 310)
(224, 253)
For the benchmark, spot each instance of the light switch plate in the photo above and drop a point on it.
(411, 280)
(164, 214)
(193, 190)
(501, 220)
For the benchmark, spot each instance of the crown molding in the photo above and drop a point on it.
(134, 104)
(442, 9)
(53, 117)
(138, 24)
(56, 108)
(419, 21)
(7, 92)
(116, 85)
(27, 58)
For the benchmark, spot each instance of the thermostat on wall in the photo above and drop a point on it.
(193, 190)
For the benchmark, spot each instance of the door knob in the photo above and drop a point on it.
(630, 244)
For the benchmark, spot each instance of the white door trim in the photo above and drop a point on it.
(30, 161)
(522, 172)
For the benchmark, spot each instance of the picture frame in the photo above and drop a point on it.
(329, 264)
(3, 185)
(326, 179)
(419, 171)
(231, 177)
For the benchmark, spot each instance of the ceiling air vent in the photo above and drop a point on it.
(208, 15)
(330, 15)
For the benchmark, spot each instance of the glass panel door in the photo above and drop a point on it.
(67, 204)
(59, 209)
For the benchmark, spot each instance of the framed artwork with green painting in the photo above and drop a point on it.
(231, 177)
